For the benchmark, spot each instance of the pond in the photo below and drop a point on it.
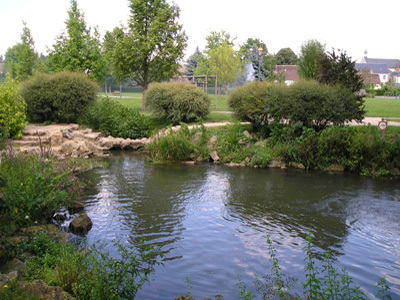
(212, 222)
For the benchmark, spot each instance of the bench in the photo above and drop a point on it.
(116, 93)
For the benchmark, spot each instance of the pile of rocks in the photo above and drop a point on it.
(72, 141)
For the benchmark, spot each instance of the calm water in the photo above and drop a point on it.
(212, 222)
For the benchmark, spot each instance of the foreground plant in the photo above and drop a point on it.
(32, 187)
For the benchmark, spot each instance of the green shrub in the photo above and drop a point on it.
(12, 112)
(174, 146)
(257, 102)
(112, 118)
(31, 188)
(59, 98)
(177, 101)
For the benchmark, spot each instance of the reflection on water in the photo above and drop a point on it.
(212, 222)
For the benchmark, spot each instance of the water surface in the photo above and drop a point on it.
(212, 222)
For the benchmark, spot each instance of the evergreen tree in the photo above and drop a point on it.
(192, 62)
(21, 60)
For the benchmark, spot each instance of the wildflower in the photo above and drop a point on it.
(5, 286)
(26, 217)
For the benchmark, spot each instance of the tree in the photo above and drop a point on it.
(21, 59)
(339, 69)
(77, 49)
(286, 56)
(226, 64)
(216, 39)
(249, 52)
(308, 62)
(192, 62)
(150, 49)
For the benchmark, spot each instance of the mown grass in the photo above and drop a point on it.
(382, 107)
(374, 107)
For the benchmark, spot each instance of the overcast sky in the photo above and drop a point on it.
(352, 25)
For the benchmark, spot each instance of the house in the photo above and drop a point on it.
(377, 69)
(290, 72)
(392, 64)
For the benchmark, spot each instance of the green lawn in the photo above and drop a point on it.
(382, 107)
(374, 107)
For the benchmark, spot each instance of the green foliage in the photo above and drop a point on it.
(192, 62)
(286, 56)
(152, 46)
(59, 98)
(249, 101)
(172, 146)
(304, 103)
(94, 275)
(225, 62)
(339, 70)
(112, 118)
(12, 112)
(77, 49)
(31, 188)
(308, 61)
(21, 61)
(177, 101)
(218, 38)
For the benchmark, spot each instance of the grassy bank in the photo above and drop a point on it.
(355, 149)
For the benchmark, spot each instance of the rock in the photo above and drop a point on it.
(212, 143)
(5, 278)
(214, 155)
(68, 146)
(334, 168)
(38, 289)
(49, 230)
(232, 164)
(13, 265)
(56, 138)
(247, 135)
(275, 164)
(75, 207)
(81, 224)
(68, 134)
(188, 162)
(242, 141)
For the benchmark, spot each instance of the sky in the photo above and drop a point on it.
(350, 25)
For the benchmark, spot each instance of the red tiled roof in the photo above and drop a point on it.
(290, 71)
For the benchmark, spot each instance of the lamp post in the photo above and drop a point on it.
(260, 50)
(397, 80)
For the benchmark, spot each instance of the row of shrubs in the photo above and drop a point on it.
(69, 97)
(305, 103)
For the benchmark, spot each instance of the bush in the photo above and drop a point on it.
(177, 101)
(59, 98)
(31, 188)
(317, 105)
(112, 118)
(306, 103)
(256, 102)
(12, 112)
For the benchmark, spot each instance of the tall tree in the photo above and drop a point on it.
(152, 46)
(193, 61)
(225, 62)
(308, 62)
(77, 49)
(216, 38)
(21, 59)
(286, 56)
